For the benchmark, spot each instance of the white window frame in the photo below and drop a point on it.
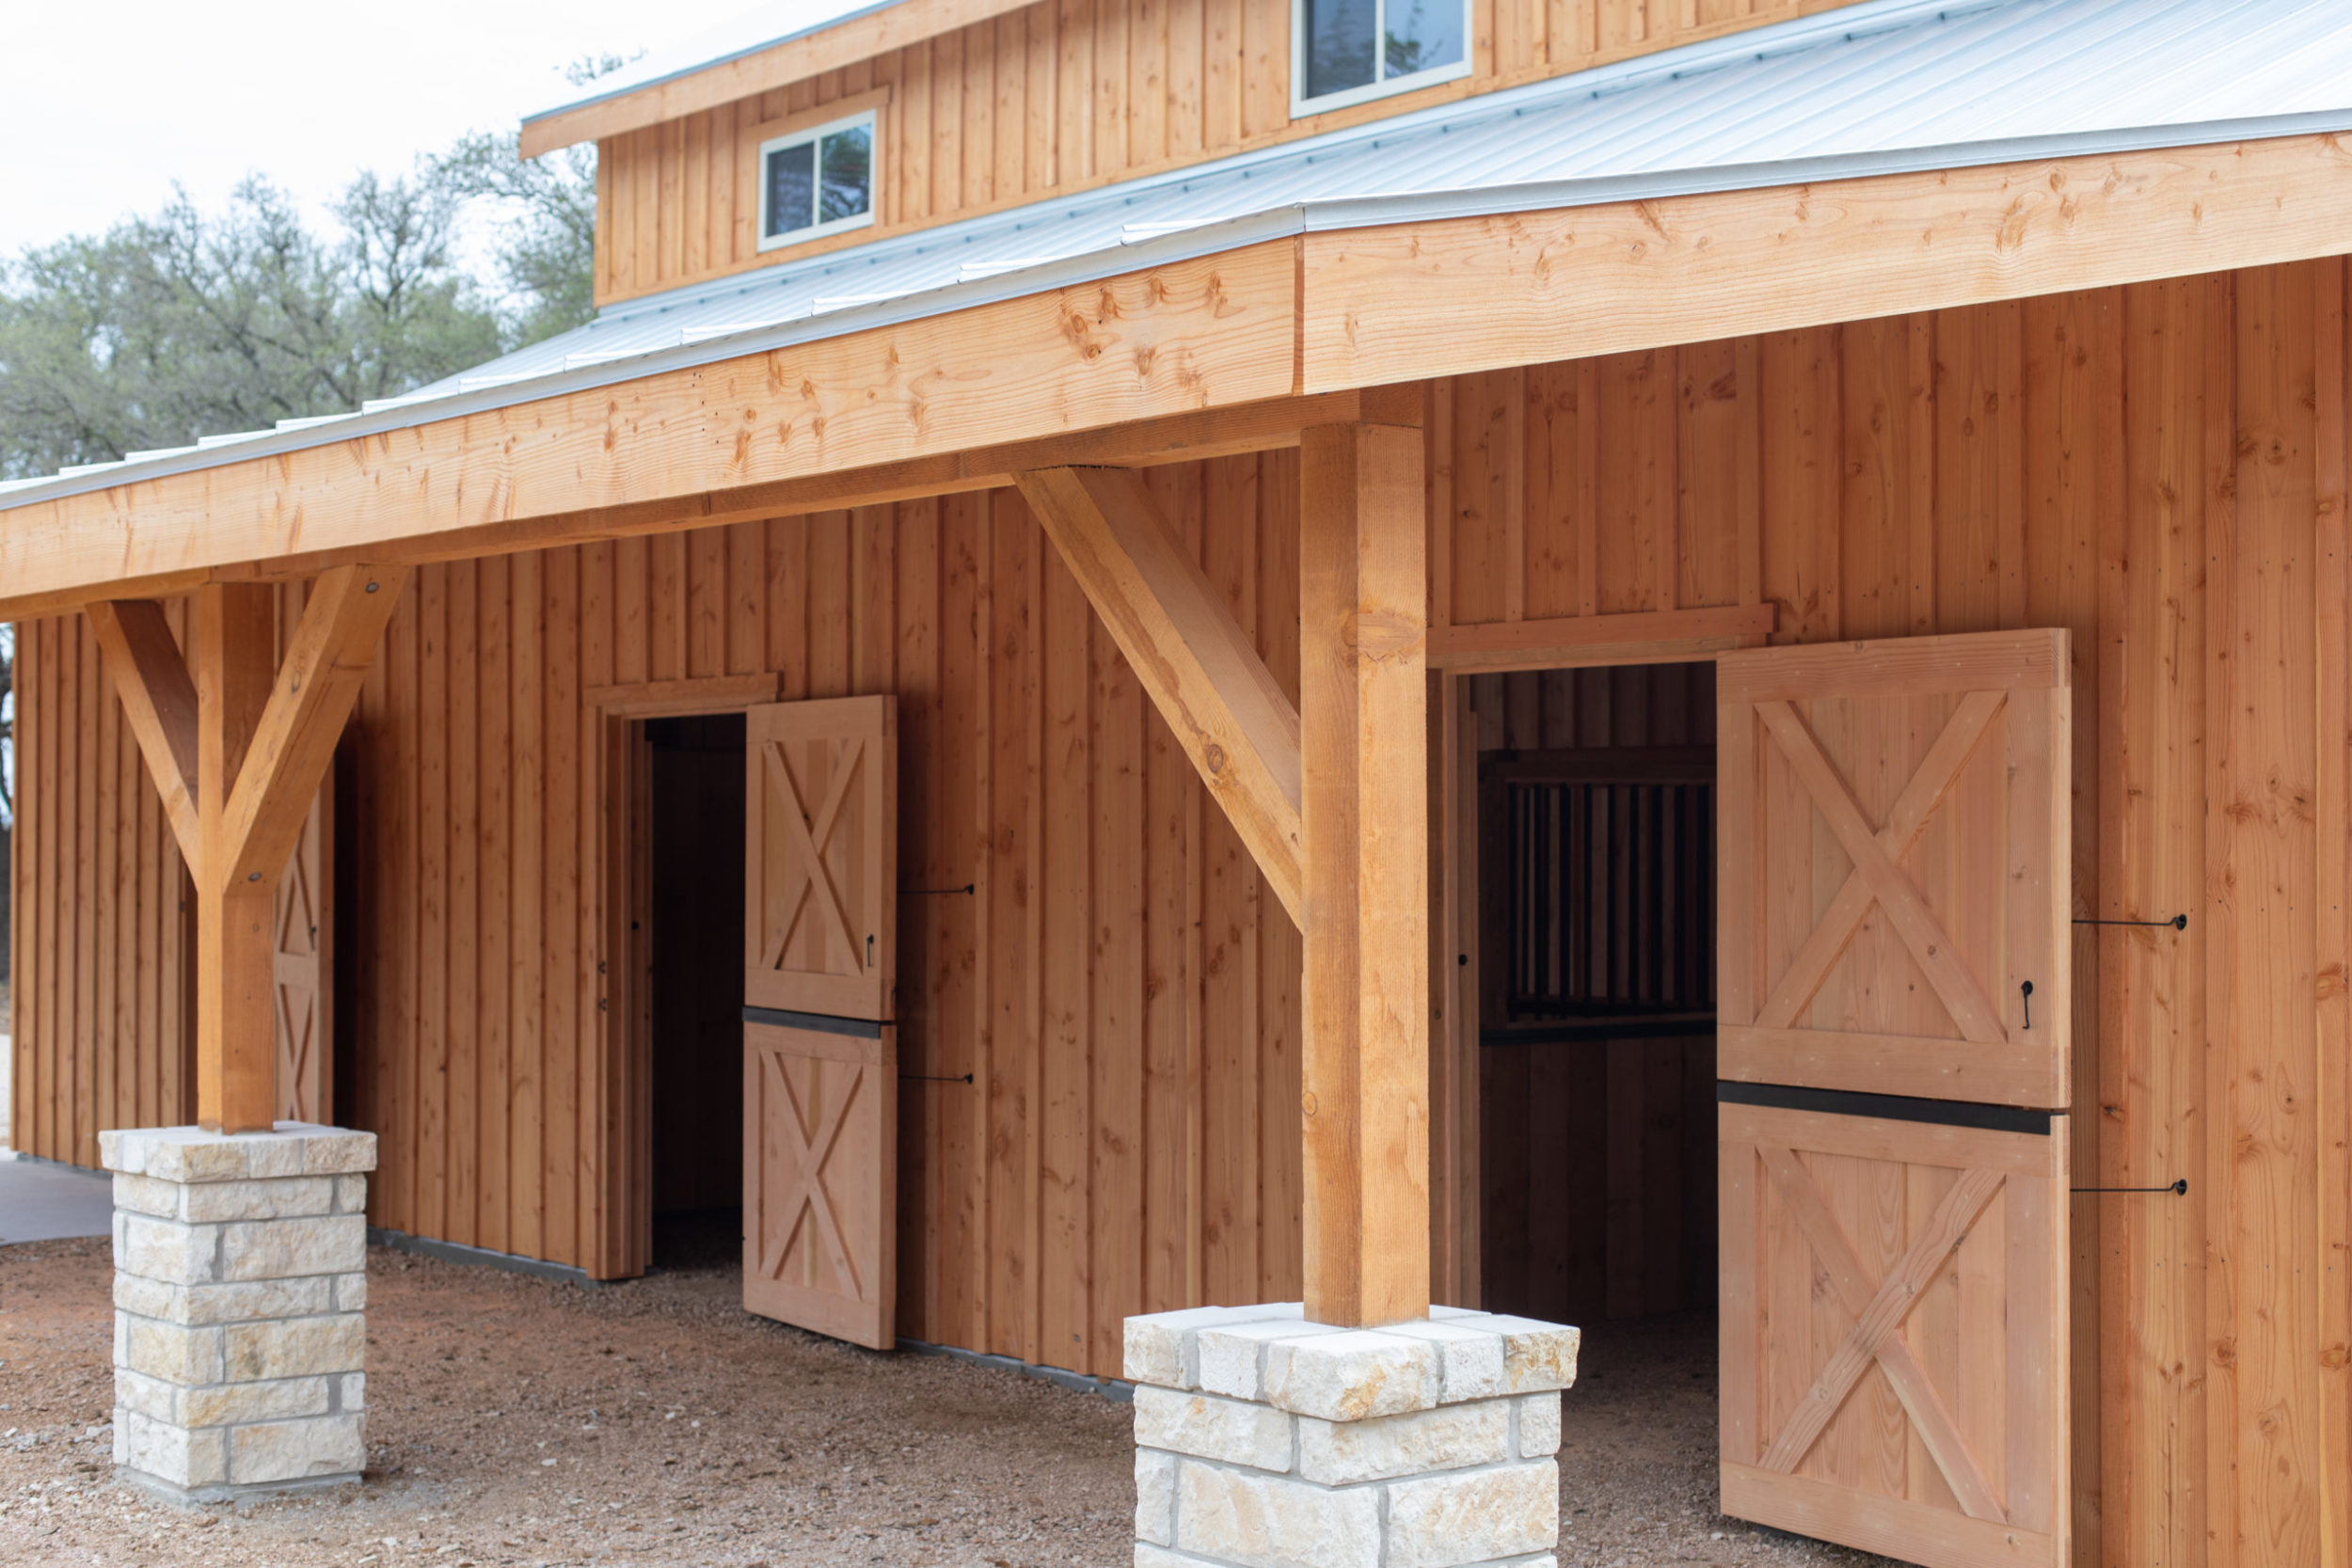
(1302, 105)
(812, 134)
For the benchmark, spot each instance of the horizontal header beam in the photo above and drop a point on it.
(1182, 360)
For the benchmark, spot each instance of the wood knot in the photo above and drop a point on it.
(1215, 757)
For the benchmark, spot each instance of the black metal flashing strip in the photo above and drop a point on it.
(1889, 1107)
(823, 1023)
(457, 1252)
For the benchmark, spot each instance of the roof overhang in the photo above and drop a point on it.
(755, 66)
(1257, 324)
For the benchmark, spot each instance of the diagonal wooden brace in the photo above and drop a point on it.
(1233, 718)
(151, 677)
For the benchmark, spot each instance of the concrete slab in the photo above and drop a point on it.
(40, 1201)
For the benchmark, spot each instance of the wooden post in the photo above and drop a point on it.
(263, 737)
(235, 966)
(1363, 705)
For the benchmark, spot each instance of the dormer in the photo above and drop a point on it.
(761, 143)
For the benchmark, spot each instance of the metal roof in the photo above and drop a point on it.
(749, 33)
(1880, 88)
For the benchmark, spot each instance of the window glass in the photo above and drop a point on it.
(847, 189)
(1340, 52)
(1422, 34)
(792, 188)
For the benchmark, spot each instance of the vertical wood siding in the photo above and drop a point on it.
(1060, 96)
(1118, 962)
(99, 964)
(2159, 468)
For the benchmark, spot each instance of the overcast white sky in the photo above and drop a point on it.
(103, 105)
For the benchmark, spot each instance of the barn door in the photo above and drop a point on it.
(820, 1061)
(304, 914)
(1893, 941)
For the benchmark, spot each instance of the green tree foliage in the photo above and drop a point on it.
(188, 323)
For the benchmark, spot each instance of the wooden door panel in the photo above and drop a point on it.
(1894, 828)
(301, 1010)
(820, 853)
(1894, 1329)
(819, 1177)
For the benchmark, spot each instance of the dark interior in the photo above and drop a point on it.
(697, 944)
(1596, 991)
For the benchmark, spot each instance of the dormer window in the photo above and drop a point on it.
(817, 182)
(1343, 52)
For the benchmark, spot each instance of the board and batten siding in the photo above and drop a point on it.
(1056, 97)
(2160, 468)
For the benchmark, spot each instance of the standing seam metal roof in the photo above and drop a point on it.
(1874, 89)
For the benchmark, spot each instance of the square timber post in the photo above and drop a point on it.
(1364, 819)
(1363, 1428)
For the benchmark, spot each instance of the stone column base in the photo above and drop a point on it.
(239, 1344)
(1267, 1441)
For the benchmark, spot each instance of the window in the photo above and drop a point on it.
(817, 182)
(1347, 50)
(1610, 874)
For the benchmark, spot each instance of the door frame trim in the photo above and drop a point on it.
(621, 1079)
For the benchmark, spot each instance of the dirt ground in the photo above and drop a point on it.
(518, 1422)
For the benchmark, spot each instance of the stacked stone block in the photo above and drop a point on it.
(1267, 1441)
(239, 1344)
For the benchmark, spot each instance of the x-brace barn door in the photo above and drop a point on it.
(1893, 944)
(304, 967)
(820, 1068)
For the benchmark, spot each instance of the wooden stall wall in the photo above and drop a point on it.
(1123, 991)
(102, 992)
(1597, 1156)
(1060, 96)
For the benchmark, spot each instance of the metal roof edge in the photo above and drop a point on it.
(1368, 212)
(1093, 266)
(726, 57)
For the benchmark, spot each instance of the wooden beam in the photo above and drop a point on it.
(1646, 637)
(1232, 718)
(1574, 282)
(1162, 342)
(151, 677)
(236, 1057)
(1319, 314)
(695, 694)
(295, 735)
(1363, 689)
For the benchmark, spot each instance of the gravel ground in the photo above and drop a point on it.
(516, 1422)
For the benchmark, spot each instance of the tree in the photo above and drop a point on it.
(189, 323)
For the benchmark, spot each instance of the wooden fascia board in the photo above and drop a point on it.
(1234, 722)
(1089, 374)
(845, 43)
(1447, 297)
(1161, 342)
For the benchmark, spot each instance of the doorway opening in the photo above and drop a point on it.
(1596, 985)
(694, 902)
(1596, 991)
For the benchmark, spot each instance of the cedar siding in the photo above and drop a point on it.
(2159, 468)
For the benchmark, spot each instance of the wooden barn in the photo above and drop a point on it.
(1589, 659)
